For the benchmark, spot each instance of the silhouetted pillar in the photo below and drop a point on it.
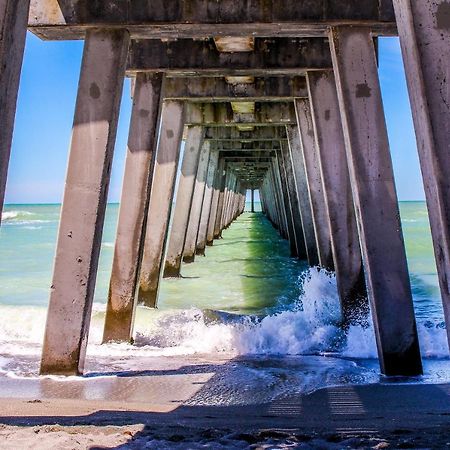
(287, 205)
(183, 201)
(338, 195)
(218, 181)
(304, 199)
(13, 29)
(196, 205)
(279, 199)
(84, 204)
(252, 200)
(133, 208)
(221, 201)
(293, 196)
(372, 180)
(161, 199)
(424, 30)
(315, 183)
(207, 203)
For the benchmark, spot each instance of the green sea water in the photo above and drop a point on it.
(232, 277)
(247, 296)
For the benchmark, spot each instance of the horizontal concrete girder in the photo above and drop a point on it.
(187, 57)
(215, 89)
(221, 114)
(69, 19)
(243, 146)
(233, 135)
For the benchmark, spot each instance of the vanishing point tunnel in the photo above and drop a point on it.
(278, 96)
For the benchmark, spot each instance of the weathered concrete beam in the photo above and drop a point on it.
(84, 204)
(207, 202)
(221, 115)
(231, 146)
(196, 205)
(69, 19)
(375, 197)
(13, 28)
(186, 57)
(229, 134)
(304, 199)
(293, 198)
(194, 141)
(315, 183)
(161, 200)
(215, 89)
(338, 197)
(424, 29)
(219, 174)
(287, 205)
(133, 208)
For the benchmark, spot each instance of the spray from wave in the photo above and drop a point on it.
(308, 327)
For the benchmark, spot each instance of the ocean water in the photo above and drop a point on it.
(247, 302)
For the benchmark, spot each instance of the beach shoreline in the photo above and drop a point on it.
(352, 416)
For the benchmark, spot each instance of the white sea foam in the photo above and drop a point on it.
(11, 215)
(310, 327)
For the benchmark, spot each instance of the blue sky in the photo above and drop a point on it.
(45, 113)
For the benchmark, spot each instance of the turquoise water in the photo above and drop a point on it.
(246, 297)
(227, 279)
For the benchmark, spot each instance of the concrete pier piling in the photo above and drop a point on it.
(293, 113)
(287, 206)
(84, 204)
(133, 211)
(304, 198)
(207, 202)
(424, 30)
(192, 148)
(13, 28)
(218, 182)
(338, 195)
(293, 198)
(161, 198)
(315, 183)
(375, 198)
(198, 194)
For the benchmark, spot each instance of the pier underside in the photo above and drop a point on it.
(280, 98)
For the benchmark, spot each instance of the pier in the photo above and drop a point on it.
(280, 98)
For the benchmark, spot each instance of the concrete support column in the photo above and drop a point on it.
(279, 199)
(424, 30)
(315, 183)
(221, 201)
(304, 199)
(84, 204)
(252, 200)
(196, 205)
(293, 196)
(287, 205)
(186, 184)
(207, 202)
(275, 215)
(372, 180)
(133, 208)
(218, 181)
(338, 195)
(13, 29)
(161, 199)
(226, 194)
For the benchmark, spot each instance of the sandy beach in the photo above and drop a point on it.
(174, 408)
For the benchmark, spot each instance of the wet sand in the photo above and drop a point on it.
(159, 414)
